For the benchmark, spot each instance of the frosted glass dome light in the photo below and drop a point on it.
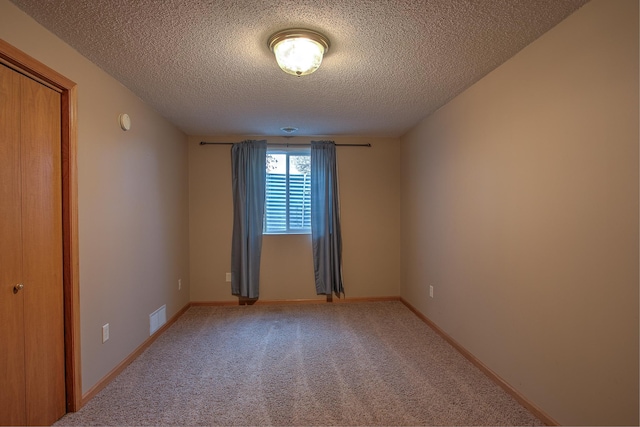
(298, 51)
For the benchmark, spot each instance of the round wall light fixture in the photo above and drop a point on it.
(298, 51)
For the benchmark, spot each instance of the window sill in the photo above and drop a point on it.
(291, 233)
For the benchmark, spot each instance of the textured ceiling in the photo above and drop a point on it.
(205, 64)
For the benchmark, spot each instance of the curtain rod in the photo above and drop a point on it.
(285, 145)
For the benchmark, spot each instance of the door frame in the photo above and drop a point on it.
(24, 64)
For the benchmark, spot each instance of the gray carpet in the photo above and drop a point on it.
(327, 364)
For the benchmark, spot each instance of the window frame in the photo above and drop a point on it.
(288, 151)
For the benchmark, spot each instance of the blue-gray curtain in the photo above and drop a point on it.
(325, 219)
(249, 176)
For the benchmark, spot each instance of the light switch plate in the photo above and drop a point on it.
(105, 332)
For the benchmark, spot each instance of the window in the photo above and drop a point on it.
(288, 205)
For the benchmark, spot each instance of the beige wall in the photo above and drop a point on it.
(370, 213)
(133, 201)
(520, 207)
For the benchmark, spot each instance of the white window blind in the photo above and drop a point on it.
(288, 198)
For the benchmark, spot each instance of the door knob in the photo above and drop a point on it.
(17, 288)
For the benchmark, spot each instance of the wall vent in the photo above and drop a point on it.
(157, 319)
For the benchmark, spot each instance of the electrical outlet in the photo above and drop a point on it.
(228, 277)
(431, 291)
(105, 332)
(179, 284)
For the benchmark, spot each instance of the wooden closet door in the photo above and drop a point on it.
(31, 319)
(42, 252)
(12, 392)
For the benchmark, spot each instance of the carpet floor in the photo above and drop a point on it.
(327, 364)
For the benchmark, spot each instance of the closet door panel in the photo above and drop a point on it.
(12, 369)
(42, 253)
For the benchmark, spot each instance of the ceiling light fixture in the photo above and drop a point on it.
(298, 51)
